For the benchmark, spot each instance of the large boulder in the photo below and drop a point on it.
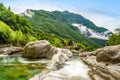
(39, 49)
(43, 49)
(108, 54)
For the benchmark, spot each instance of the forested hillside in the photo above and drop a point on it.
(14, 21)
(38, 25)
(43, 22)
(59, 24)
(75, 18)
(13, 28)
(9, 36)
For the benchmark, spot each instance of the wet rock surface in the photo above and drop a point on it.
(104, 63)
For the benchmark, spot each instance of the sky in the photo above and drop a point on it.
(104, 13)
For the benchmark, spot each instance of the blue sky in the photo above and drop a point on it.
(104, 13)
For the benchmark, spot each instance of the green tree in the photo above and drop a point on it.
(114, 39)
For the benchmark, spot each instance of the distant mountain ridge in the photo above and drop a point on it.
(66, 25)
(75, 20)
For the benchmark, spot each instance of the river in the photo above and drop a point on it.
(74, 69)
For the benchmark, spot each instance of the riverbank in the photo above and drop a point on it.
(102, 64)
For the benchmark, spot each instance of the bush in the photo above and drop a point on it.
(7, 35)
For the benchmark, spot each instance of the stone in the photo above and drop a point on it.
(10, 50)
(104, 63)
(109, 54)
(39, 49)
(43, 49)
(67, 52)
(106, 73)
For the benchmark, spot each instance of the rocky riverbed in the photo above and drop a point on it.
(61, 66)
(104, 63)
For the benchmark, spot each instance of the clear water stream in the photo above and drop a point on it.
(74, 69)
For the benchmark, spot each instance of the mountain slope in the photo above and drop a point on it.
(76, 18)
(39, 24)
(60, 24)
(15, 21)
(19, 31)
(14, 29)
(87, 27)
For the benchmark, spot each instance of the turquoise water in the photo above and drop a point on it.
(74, 69)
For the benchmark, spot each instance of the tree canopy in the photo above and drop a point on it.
(115, 38)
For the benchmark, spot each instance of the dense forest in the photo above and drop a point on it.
(53, 26)
(13, 28)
